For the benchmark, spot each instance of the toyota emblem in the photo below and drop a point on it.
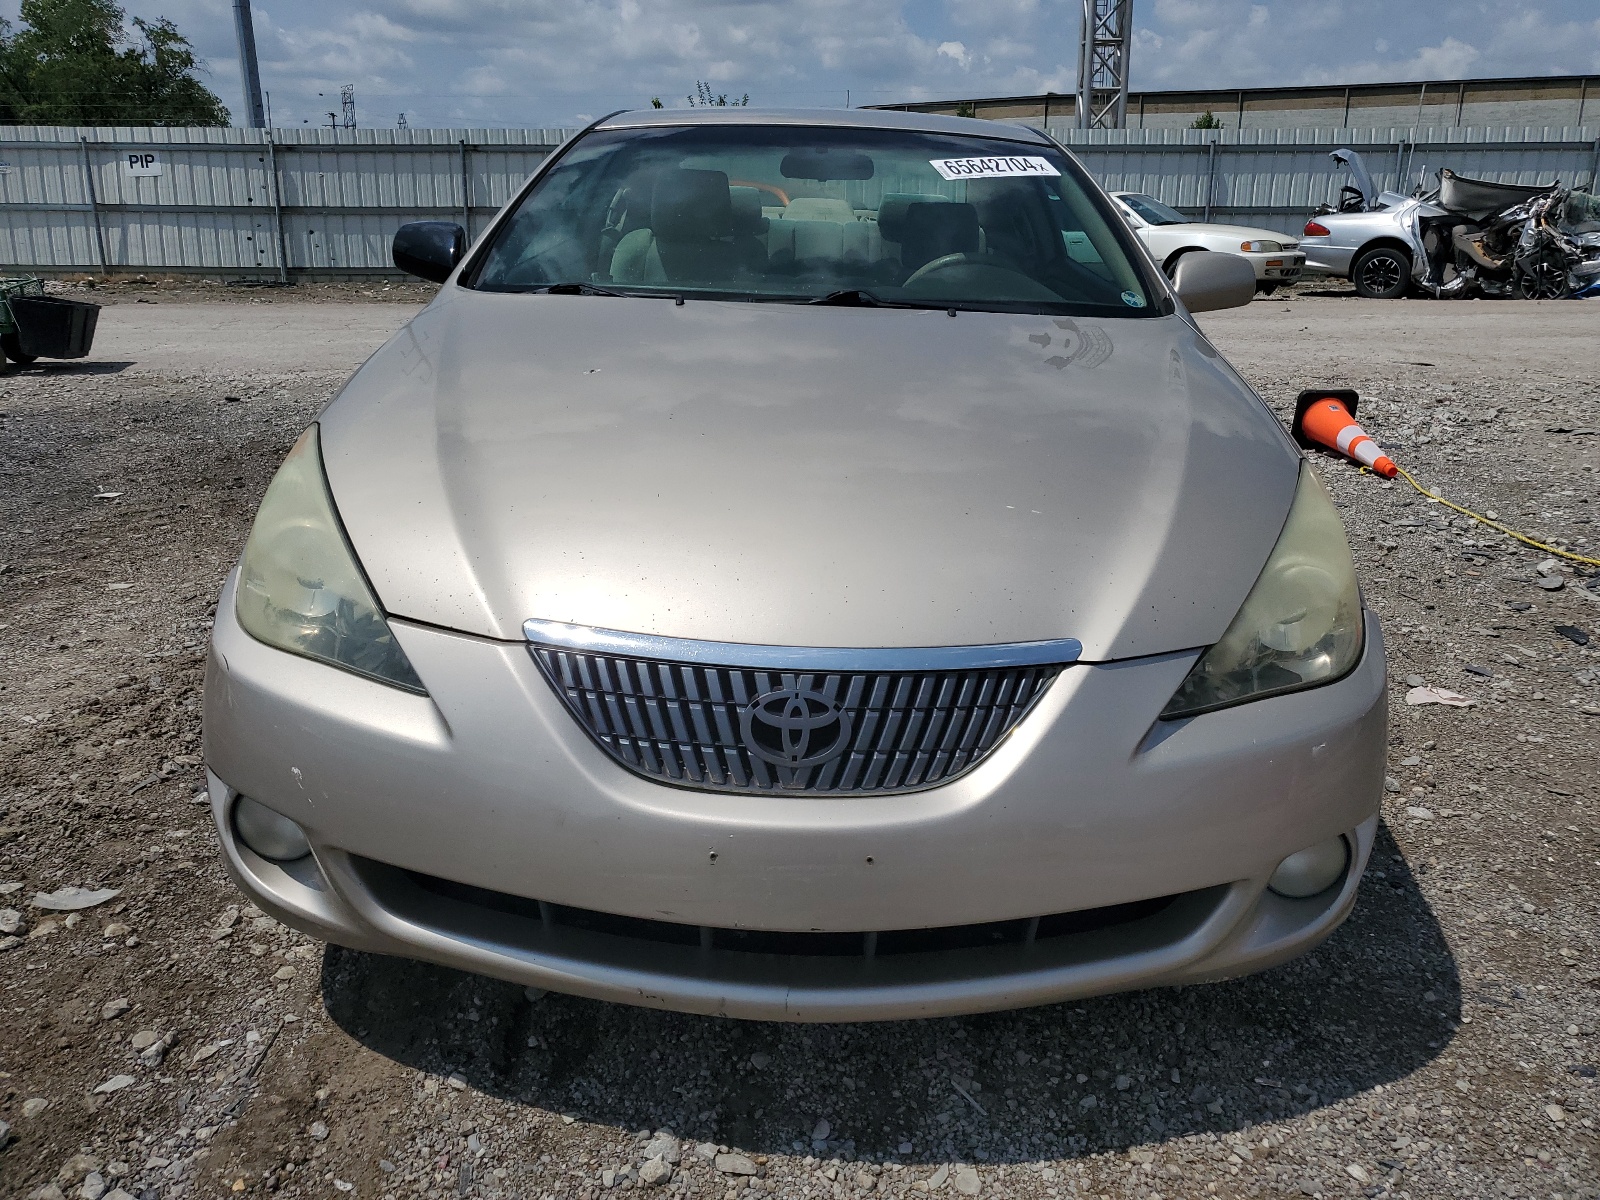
(794, 727)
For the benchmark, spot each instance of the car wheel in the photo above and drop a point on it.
(1381, 274)
(12, 346)
(1544, 280)
(1170, 267)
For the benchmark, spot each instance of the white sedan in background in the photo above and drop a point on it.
(1169, 235)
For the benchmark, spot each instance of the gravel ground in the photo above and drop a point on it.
(171, 1041)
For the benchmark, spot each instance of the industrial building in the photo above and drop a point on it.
(1550, 102)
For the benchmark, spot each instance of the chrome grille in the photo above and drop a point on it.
(760, 729)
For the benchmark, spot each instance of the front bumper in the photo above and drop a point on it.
(438, 822)
(1285, 266)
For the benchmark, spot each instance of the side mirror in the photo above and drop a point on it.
(429, 249)
(1207, 281)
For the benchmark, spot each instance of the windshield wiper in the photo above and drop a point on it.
(849, 298)
(590, 289)
(861, 298)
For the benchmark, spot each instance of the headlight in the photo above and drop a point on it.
(300, 587)
(1300, 626)
(1261, 247)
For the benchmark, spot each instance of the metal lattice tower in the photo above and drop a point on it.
(1103, 64)
(347, 105)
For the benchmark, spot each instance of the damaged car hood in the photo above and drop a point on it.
(810, 476)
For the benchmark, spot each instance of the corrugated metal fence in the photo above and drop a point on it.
(244, 203)
(239, 203)
(1273, 178)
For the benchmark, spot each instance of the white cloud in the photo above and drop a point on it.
(1244, 43)
(1449, 59)
(539, 62)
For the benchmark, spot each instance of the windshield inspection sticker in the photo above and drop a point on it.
(991, 168)
(1133, 299)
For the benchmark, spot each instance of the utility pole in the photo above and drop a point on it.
(347, 105)
(255, 115)
(1103, 64)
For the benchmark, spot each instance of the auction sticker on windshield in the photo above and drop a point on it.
(991, 168)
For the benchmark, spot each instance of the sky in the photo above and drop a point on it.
(560, 62)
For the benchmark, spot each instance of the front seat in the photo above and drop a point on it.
(691, 234)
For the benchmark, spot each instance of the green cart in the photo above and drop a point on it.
(34, 325)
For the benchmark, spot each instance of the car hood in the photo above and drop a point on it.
(1232, 233)
(1359, 175)
(808, 476)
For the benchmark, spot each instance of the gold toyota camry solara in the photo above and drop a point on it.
(802, 566)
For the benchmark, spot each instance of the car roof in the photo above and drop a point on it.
(849, 118)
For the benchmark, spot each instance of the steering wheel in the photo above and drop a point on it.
(963, 258)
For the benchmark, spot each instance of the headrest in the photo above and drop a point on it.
(747, 215)
(691, 206)
(946, 228)
(818, 208)
(892, 212)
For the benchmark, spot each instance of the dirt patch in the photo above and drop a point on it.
(176, 288)
(1441, 1044)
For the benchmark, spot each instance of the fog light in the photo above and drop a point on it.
(268, 834)
(1314, 869)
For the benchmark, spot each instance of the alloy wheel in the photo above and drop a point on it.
(1380, 273)
(1544, 281)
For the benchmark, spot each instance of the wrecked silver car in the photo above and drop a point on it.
(1467, 237)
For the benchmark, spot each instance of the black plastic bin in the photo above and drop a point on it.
(53, 326)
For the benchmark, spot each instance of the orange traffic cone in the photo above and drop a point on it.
(1327, 420)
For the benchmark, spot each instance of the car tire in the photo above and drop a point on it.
(12, 346)
(1382, 273)
(1170, 267)
(1545, 279)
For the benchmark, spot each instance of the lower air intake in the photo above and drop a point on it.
(1024, 932)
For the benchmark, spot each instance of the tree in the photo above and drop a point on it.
(1206, 120)
(966, 109)
(715, 100)
(74, 63)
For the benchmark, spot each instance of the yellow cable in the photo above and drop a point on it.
(1511, 533)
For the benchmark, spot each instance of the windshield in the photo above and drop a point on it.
(797, 213)
(1153, 211)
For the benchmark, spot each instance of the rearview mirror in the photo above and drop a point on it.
(1206, 281)
(429, 249)
(826, 163)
